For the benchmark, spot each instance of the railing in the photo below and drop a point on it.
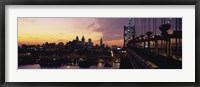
(137, 61)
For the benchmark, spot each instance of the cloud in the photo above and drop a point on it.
(111, 28)
(91, 25)
(94, 25)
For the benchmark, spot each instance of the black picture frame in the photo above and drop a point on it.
(98, 2)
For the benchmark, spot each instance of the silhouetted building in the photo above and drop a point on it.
(83, 39)
(101, 41)
(90, 43)
(61, 44)
(89, 40)
(77, 39)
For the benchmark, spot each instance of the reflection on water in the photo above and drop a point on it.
(99, 66)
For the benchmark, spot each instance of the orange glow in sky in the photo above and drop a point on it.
(40, 30)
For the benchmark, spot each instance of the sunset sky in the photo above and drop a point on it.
(40, 30)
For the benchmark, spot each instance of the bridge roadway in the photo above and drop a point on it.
(130, 60)
(142, 59)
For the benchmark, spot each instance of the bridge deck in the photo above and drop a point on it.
(142, 59)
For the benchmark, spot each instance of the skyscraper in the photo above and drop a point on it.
(77, 39)
(83, 39)
(90, 44)
(89, 41)
(101, 42)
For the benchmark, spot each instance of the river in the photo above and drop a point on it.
(98, 66)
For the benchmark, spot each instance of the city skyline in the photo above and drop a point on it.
(100, 43)
(34, 31)
(85, 41)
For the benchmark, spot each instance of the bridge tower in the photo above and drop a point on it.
(129, 32)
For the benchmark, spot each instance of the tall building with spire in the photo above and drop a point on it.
(77, 39)
(83, 39)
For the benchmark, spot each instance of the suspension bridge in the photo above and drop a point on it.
(152, 43)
